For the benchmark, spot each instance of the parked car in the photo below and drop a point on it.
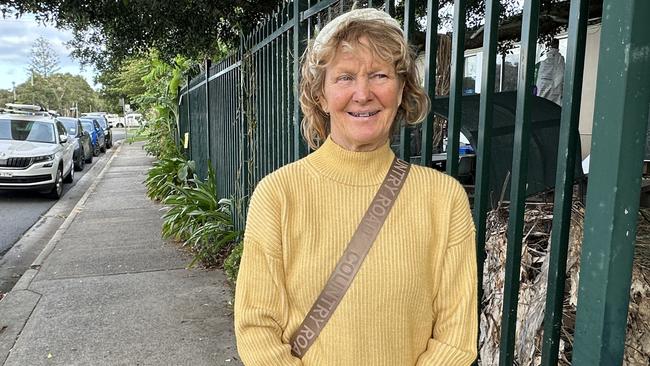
(96, 134)
(83, 150)
(103, 121)
(35, 153)
(134, 120)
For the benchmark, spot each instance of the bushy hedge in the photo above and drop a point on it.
(195, 216)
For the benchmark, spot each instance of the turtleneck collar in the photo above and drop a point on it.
(351, 167)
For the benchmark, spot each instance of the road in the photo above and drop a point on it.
(20, 210)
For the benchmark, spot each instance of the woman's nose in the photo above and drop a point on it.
(362, 92)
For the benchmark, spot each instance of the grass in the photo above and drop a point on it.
(134, 136)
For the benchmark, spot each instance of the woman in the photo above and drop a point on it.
(413, 301)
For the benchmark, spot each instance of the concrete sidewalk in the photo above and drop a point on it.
(108, 291)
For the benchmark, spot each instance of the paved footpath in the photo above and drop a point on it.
(107, 290)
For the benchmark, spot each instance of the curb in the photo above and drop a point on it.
(28, 276)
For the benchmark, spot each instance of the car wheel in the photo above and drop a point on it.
(95, 150)
(79, 164)
(70, 177)
(57, 187)
(103, 148)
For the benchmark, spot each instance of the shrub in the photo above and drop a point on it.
(231, 264)
(167, 175)
(199, 219)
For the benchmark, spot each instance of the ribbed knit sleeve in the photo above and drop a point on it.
(453, 342)
(260, 297)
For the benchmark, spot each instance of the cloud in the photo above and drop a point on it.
(16, 39)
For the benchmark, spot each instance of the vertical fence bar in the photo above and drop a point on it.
(389, 7)
(409, 30)
(617, 149)
(579, 12)
(229, 143)
(208, 130)
(265, 115)
(243, 127)
(257, 92)
(259, 101)
(519, 180)
(299, 39)
(284, 66)
(189, 120)
(283, 97)
(276, 94)
(269, 96)
(430, 54)
(484, 146)
(456, 90)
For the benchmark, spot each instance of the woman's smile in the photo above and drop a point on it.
(362, 94)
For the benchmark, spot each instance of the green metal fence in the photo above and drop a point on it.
(242, 116)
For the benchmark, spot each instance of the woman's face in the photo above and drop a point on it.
(362, 94)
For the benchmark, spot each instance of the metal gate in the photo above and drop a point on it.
(243, 116)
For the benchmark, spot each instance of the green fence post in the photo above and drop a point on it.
(484, 146)
(456, 88)
(409, 30)
(208, 138)
(389, 7)
(431, 51)
(617, 149)
(520, 150)
(299, 44)
(244, 155)
(567, 144)
(177, 137)
(189, 120)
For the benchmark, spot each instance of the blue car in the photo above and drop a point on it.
(96, 134)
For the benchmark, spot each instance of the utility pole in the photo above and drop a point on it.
(33, 97)
(126, 129)
(14, 88)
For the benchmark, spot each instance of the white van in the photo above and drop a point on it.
(134, 120)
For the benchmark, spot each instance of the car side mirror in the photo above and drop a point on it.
(63, 138)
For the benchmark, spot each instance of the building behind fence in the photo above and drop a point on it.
(242, 116)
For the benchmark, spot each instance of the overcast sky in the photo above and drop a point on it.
(16, 39)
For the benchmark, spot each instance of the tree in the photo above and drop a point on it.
(108, 32)
(43, 60)
(58, 91)
(6, 96)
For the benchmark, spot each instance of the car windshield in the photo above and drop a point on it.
(102, 122)
(87, 125)
(70, 126)
(33, 131)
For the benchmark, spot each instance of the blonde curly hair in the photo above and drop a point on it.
(384, 40)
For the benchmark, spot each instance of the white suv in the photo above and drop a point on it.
(35, 153)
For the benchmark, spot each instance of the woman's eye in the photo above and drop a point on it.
(380, 76)
(344, 78)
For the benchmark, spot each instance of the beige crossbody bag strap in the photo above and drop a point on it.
(350, 262)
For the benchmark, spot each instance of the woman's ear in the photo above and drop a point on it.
(400, 94)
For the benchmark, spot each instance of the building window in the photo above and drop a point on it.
(510, 70)
(470, 75)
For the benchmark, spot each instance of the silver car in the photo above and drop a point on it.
(35, 153)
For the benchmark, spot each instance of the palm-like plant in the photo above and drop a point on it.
(199, 219)
(167, 176)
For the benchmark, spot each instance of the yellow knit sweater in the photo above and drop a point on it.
(413, 301)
